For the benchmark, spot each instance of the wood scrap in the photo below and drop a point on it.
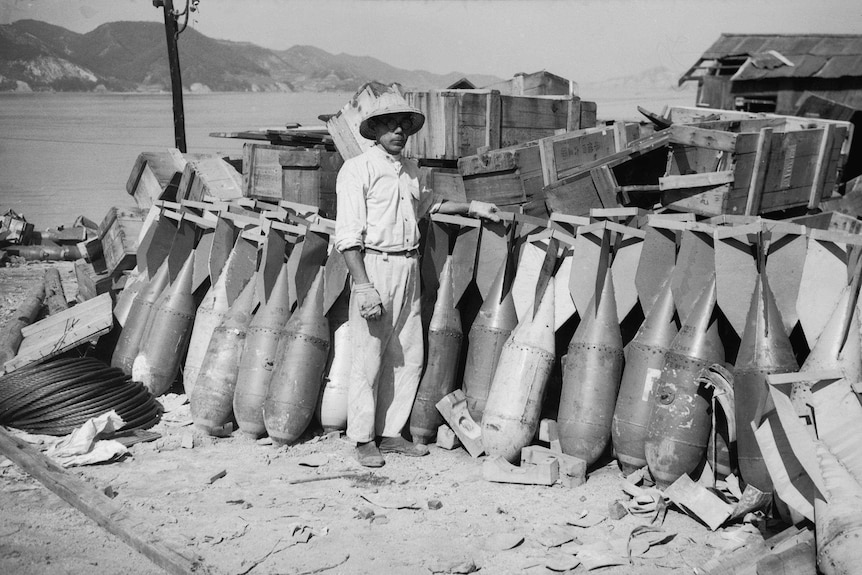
(98, 507)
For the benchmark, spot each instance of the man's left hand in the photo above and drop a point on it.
(484, 210)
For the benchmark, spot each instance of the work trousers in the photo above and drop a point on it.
(387, 352)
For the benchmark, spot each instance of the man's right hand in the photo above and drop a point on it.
(368, 300)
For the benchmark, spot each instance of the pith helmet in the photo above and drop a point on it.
(391, 103)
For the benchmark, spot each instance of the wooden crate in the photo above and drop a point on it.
(118, 233)
(209, 178)
(460, 123)
(447, 183)
(155, 176)
(781, 166)
(294, 174)
(541, 83)
(90, 282)
(520, 173)
(344, 126)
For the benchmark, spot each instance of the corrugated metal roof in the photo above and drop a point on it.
(814, 55)
(840, 66)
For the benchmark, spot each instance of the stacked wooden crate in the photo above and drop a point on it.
(305, 176)
(462, 122)
(118, 233)
(521, 174)
(742, 163)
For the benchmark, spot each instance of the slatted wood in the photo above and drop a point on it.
(209, 178)
(62, 331)
(758, 174)
(118, 233)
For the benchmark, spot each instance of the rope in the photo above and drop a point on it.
(56, 397)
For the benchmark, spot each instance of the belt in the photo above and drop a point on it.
(405, 253)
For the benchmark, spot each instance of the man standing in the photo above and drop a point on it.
(380, 201)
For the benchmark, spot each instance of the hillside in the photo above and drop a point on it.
(132, 56)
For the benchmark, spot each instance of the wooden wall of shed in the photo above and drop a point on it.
(720, 92)
(789, 91)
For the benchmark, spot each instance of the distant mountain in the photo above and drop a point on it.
(132, 56)
(658, 79)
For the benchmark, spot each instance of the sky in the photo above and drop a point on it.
(582, 40)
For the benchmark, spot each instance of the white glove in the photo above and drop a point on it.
(484, 210)
(370, 304)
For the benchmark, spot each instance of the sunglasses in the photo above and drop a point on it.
(393, 123)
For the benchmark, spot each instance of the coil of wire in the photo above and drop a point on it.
(56, 397)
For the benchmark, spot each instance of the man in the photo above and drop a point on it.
(380, 200)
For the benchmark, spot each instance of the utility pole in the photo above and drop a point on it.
(176, 81)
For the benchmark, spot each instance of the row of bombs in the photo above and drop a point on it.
(272, 369)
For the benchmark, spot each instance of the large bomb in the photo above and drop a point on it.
(211, 401)
(166, 336)
(514, 403)
(591, 378)
(332, 407)
(258, 357)
(680, 421)
(444, 348)
(210, 314)
(491, 328)
(644, 359)
(764, 349)
(129, 342)
(295, 383)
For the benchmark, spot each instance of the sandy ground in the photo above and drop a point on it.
(434, 514)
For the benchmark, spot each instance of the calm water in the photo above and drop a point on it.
(65, 155)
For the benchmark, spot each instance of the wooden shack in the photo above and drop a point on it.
(770, 72)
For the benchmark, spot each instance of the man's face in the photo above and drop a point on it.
(391, 131)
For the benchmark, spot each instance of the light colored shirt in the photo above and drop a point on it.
(381, 198)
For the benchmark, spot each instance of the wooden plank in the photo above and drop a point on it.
(701, 201)
(62, 331)
(819, 179)
(758, 177)
(606, 186)
(695, 180)
(100, 508)
(701, 138)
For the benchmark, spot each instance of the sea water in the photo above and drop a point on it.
(68, 154)
(65, 155)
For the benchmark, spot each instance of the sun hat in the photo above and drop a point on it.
(391, 103)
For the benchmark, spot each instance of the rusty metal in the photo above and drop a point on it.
(678, 430)
(514, 404)
(644, 358)
(211, 402)
(490, 330)
(444, 347)
(45, 252)
(258, 357)
(764, 349)
(129, 342)
(296, 376)
(591, 377)
(166, 336)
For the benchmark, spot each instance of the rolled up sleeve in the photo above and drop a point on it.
(352, 214)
